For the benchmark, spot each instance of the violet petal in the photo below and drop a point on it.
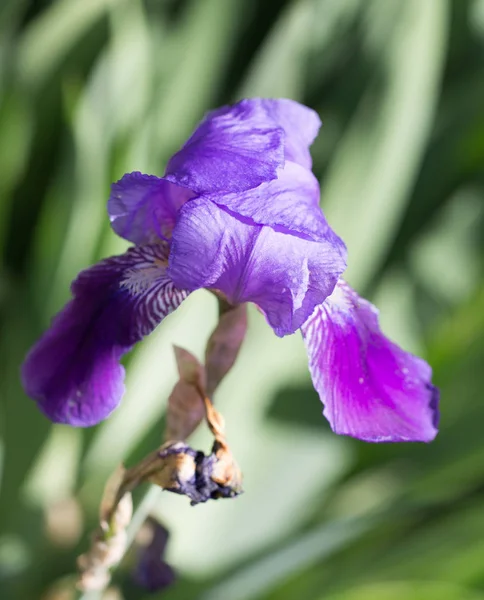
(235, 148)
(291, 202)
(73, 371)
(371, 389)
(143, 208)
(285, 275)
(301, 125)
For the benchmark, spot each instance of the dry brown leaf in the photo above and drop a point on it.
(224, 345)
(184, 413)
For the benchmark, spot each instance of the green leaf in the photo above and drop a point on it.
(370, 178)
(279, 68)
(54, 33)
(270, 571)
(407, 590)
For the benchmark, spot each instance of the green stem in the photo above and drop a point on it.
(143, 511)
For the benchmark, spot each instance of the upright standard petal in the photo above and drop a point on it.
(235, 148)
(143, 208)
(301, 125)
(290, 202)
(73, 371)
(285, 275)
(371, 389)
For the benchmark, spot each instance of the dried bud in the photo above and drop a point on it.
(185, 407)
(177, 468)
(226, 472)
(224, 344)
(196, 479)
(215, 421)
(163, 467)
(203, 477)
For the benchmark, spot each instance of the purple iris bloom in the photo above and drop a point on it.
(237, 212)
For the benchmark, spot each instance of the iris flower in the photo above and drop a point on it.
(237, 212)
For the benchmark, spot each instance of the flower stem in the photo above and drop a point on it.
(143, 511)
(140, 515)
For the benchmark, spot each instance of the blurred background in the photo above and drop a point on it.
(90, 89)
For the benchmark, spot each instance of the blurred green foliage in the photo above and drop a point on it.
(90, 89)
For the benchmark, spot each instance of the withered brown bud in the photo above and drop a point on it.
(225, 470)
(224, 344)
(186, 471)
(200, 484)
(163, 467)
(177, 468)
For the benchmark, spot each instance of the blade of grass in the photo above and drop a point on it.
(53, 34)
(259, 578)
(371, 176)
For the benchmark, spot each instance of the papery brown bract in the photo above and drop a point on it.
(224, 344)
(185, 407)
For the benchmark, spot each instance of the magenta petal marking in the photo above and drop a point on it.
(73, 371)
(371, 389)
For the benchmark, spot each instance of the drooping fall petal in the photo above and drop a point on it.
(73, 371)
(371, 389)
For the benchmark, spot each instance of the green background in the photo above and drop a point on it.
(90, 89)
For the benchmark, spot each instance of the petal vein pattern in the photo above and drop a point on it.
(143, 208)
(285, 275)
(234, 148)
(371, 389)
(73, 371)
(290, 202)
(300, 125)
(153, 293)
